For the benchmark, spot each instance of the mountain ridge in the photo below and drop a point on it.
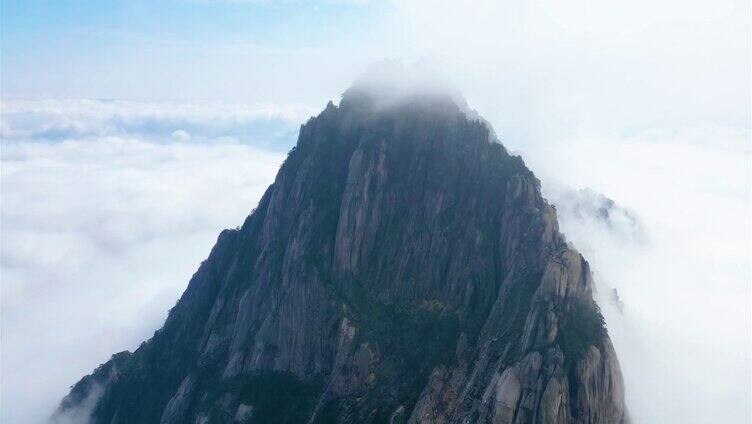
(402, 267)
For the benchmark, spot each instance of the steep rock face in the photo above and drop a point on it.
(402, 267)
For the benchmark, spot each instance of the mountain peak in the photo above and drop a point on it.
(401, 268)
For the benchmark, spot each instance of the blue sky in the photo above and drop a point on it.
(167, 49)
(292, 24)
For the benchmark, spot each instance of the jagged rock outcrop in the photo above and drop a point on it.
(402, 267)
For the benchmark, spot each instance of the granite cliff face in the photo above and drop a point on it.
(402, 267)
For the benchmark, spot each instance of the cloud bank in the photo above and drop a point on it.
(101, 234)
(678, 256)
(99, 238)
(272, 126)
(542, 71)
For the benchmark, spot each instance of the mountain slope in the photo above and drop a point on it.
(402, 267)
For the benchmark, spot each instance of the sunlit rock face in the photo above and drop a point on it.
(403, 267)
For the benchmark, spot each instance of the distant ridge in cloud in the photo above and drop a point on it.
(676, 247)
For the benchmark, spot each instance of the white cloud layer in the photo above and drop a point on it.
(99, 238)
(273, 126)
(541, 71)
(683, 273)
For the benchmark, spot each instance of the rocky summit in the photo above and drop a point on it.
(402, 268)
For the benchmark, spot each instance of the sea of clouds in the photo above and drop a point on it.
(104, 219)
(268, 125)
(677, 250)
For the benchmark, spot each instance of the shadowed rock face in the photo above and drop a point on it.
(403, 267)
